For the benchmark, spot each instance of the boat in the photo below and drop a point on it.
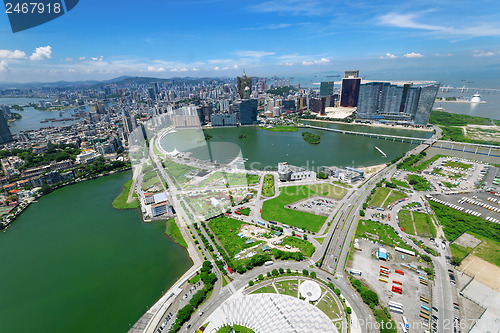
(476, 98)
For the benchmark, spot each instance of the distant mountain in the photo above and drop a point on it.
(94, 84)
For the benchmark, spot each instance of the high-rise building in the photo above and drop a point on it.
(351, 74)
(350, 92)
(243, 82)
(382, 100)
(5, 135)
(223, 119)
(246, 111)
(326, 89)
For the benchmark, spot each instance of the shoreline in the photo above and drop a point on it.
(374, 125)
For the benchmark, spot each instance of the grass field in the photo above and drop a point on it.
(274, 209)
(406, 221)
(173, 231)
(287, 287)
(226, 230)
(304, 246)
(400, 183)
(151, 181)
(178, 171)
(394, 196)
(341, 184)
(268, 186)
(280, 128)
(458, 251)
(245, 211)
(419, 183)
(328, 190)
(385, 233)
(378, 198)
(453, 119)
(329, 307)
(488, 250)
(459, 165)
(423, 225)
(120, 201)
(269, 289)
(320, 239)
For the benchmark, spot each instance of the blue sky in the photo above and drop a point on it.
(106, 39)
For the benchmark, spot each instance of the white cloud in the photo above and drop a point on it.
(155, 69)
(316, 62)
(97, 59)
(68, 59)
(254, 54)
(42, 52)
(293, 7)
(388, 56)
(410, 21)
(179, 69)
(271, 27)
(3, 66)
(216, 68)
(477, 53)
(444, 55)
(8, 54)
(81, 58)
(413, 55)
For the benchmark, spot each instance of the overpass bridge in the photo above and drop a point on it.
(375, 135)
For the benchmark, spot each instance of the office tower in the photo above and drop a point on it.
(326, 89)
(246, 111)
(350, 92)
(5, 135)
(351, 74)
(425, 102)
(154, 86)
(317, 105)
(243, 82)
(151, 93)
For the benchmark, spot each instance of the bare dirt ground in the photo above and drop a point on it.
(467, 240)
(482, 271)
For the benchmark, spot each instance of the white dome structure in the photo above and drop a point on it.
(310, 290)
(476, 98)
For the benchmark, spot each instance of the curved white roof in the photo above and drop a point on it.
(310, 290)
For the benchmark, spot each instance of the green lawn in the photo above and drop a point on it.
(386, 235)
(406, 221)
(269, 289)
(400, 183)
(423, 225)
(179, 171)
(419, 183)
(151, 181)
(453, 119)
(341, 184)
(226, 230)
(280, 128)
(488, 250)
(304, 246)
(329, 307)
(459, 165)
(120, 201)
(268, 186)
(458, 251)
(320, 239)
(235, 179)
(287, 287)
(328, 190)
(194, 279)
(378, 198)
(394, 196)
(245, 211)
(274, 209)
(173, 231)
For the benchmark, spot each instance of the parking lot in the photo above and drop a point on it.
(412, 288)
(315, 205)
(482, 204)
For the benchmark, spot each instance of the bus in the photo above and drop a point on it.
(397, 282)
(406, 323)
(424, 299)
(261, 223)
(355, 272)
(399, 272)
(425, 312)
(424, 316)
(425, 308)
(384, 267)
(381, 279)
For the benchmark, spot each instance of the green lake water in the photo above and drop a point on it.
(73, 263)
(263, 149)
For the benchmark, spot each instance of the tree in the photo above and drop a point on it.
(198, 298)
(260, 277)
(337, 291)
(250, 283)
(455, 261)
(313, 275)
(348, 310)
(281, 270)
(361, 213)
(268, 274)
(288, 270)
(305, 272)
(305, 237)
(184, 313)
(275, 272)
(322, 175)
(370, 297)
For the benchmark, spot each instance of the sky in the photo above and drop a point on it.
(100, 40)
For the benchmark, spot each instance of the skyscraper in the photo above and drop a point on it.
(326, 89)
(425, 102)
(243, 82)
(350, 92)
(246, 111)
(5, 135)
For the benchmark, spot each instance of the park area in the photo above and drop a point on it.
(380, 233)
(226, 230)
(416, 223)
(274, 209)
(384, 196)
(268, 186)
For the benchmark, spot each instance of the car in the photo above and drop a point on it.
(435, 309)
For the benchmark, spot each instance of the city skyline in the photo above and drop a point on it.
(218, 38)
